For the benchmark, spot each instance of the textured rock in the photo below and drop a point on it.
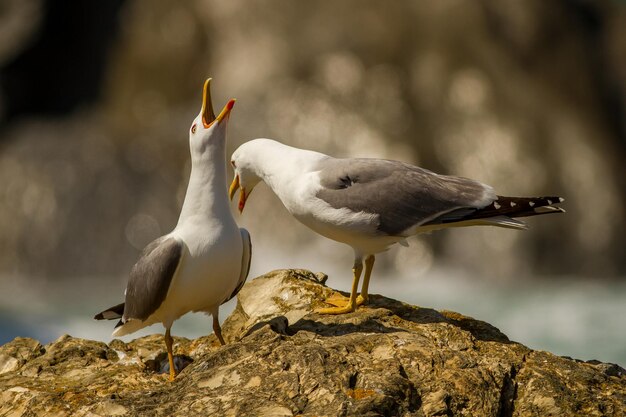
(283, 359)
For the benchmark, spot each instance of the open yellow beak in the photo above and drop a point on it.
(234, 186)
(226, 110)
(208, 115)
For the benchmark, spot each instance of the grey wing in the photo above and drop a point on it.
(246, 259)
(151, 276)
(402, 195)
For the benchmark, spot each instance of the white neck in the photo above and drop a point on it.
(277, 164)
(286, 171)
(206, 196)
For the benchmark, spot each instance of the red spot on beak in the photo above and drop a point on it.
(242, 199)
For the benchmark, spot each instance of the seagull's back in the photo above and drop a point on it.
(399, 194)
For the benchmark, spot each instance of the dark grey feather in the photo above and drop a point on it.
(111, 313)
(402, 195)
(151, 276)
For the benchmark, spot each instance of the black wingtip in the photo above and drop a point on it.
(517, 207)
(531, 206)
(112, 313)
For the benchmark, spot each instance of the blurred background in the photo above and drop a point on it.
(96, 99)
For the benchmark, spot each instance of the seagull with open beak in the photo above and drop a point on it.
(205, 260)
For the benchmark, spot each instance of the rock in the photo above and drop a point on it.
(283, 359)
(18, 352)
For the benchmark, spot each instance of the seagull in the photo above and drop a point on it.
(205, 260)
(372, 204)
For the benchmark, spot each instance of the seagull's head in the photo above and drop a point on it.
(246, 177)
(207, 129)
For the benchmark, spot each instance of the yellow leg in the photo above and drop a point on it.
(170, 354)
(218, 330)
(369, 265)
(351, 304)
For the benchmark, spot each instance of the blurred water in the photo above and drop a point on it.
(577, 317)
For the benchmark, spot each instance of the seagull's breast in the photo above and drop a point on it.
(210, 269)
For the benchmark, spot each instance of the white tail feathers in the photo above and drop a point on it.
(499, 221)
(504, 221)
(548, 209)
(130, 326)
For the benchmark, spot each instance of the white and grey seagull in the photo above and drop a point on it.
(205, 260)
(371, 204)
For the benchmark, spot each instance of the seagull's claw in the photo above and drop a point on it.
(339, 300)
(360, 300)
(336, 310)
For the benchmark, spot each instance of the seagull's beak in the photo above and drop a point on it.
(242, 200)
(226, 110)
(208, 116)
(234, 186)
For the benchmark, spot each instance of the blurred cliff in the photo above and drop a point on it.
(96, 100)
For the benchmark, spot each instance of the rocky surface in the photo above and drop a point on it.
(283, 359)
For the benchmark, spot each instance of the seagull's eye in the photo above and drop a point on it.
(193, 128)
